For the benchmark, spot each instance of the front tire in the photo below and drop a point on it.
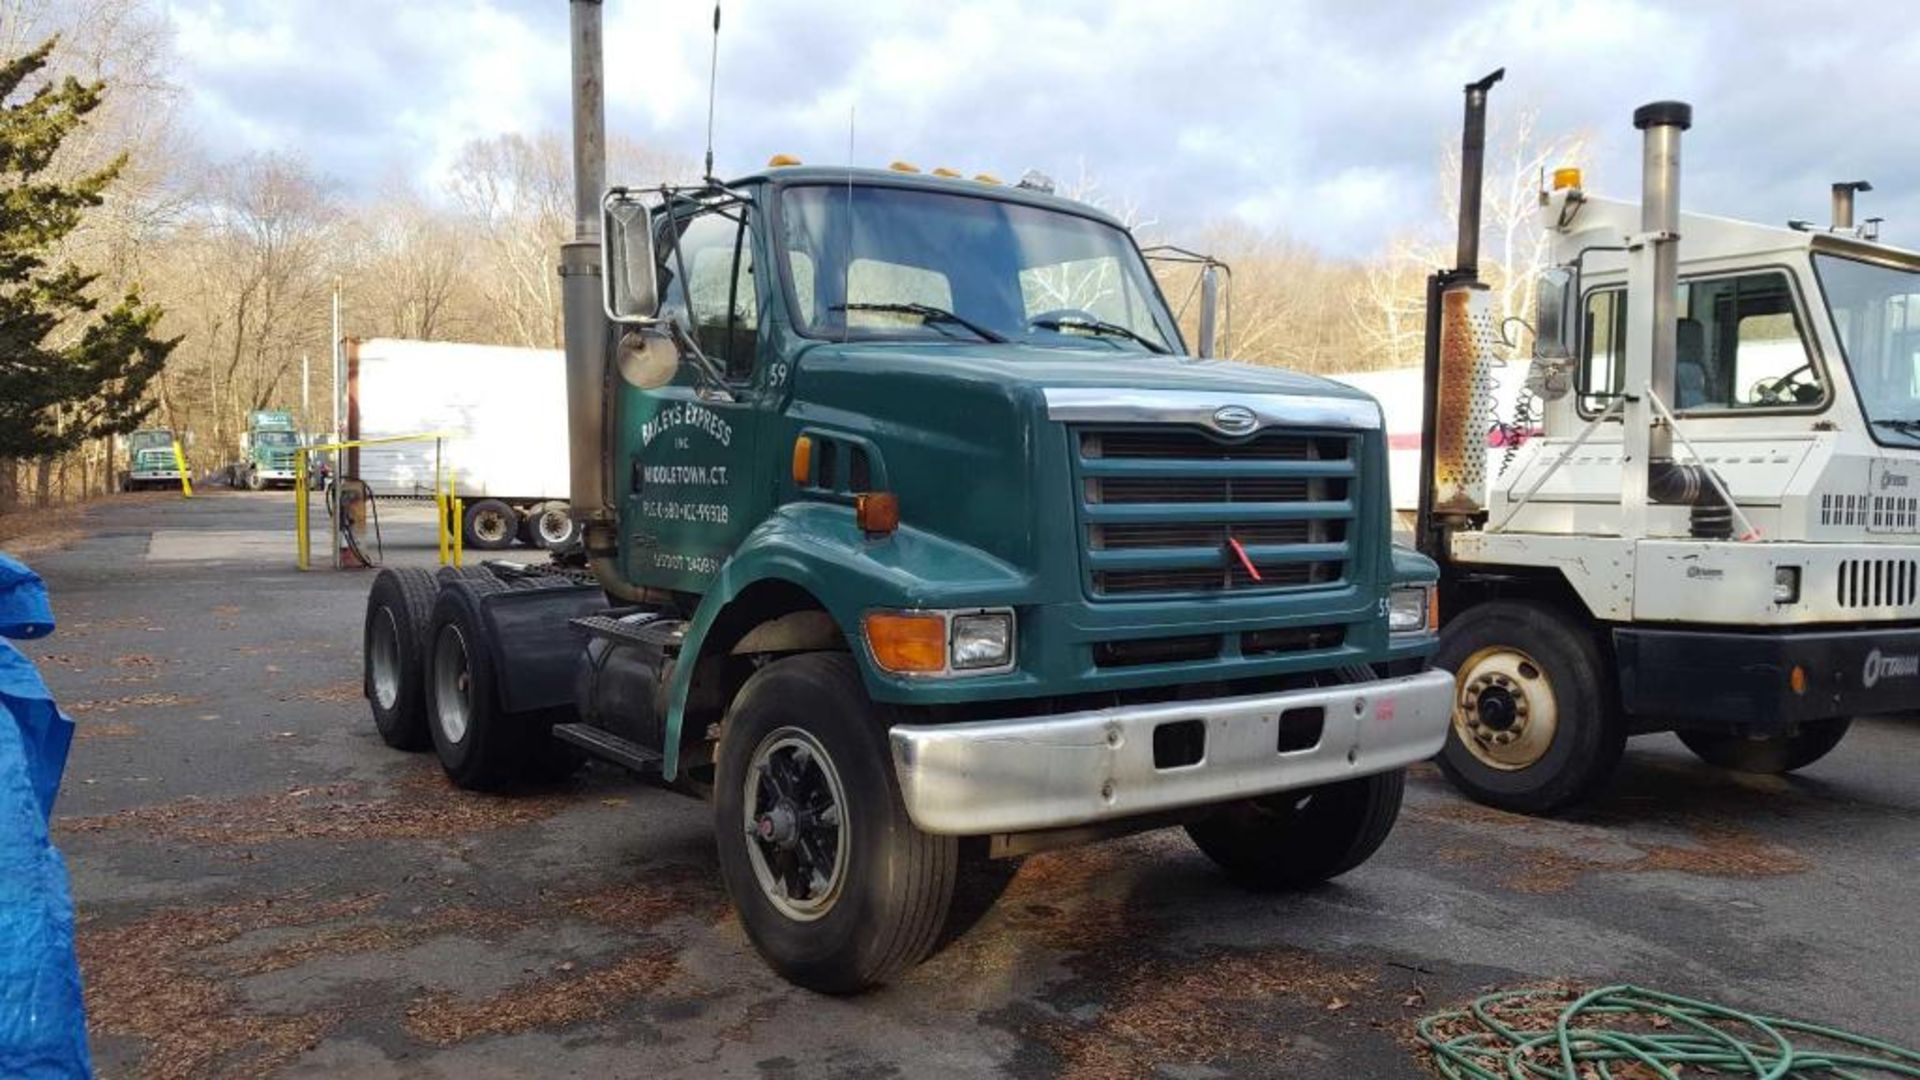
(254, 481)
(393, 645)
(1535, 726)
(1298, 839)
(836, 888)
(1768, 754)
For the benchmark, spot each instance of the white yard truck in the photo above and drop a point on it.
(503, 412)
(1718, 533)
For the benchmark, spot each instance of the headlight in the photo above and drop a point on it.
(1786, 584)
(940, 642)
(1408, 607)
(982, 640)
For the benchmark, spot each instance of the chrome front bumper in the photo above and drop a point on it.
(1010, 776)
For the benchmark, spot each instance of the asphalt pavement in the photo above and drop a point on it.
(264, 887)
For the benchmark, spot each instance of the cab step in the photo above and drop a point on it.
(661, 633)
(604, 744)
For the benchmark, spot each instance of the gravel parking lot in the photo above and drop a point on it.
(264, 887)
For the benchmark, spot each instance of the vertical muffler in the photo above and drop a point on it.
(1843, 193)
(1669, 482)
(1461, 344)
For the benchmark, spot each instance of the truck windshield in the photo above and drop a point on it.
(872, 262)
(1876, 313)
(150, 440)
(277, 438)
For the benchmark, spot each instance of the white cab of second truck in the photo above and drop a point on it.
(502, 412)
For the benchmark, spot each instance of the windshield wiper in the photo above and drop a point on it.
(1099, 326)
(1909, 428)
(929, 314)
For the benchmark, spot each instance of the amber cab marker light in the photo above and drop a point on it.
(802, 461)
(906, 642)
(878, 512)
(1565, 178)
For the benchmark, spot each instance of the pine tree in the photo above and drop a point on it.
(69, 371)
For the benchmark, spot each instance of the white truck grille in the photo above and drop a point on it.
(1873, 583)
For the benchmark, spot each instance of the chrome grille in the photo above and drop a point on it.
(1162, 508)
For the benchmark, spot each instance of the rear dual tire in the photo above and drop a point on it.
(481, 745)
(393, 638)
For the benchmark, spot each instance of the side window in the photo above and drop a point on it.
(716, 304)
(1738, 345)
(1603, 362)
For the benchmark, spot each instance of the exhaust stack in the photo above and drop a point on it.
(1662, 122)
(584, 318)
(1461, 343)
(584, 322)
(1843, 193)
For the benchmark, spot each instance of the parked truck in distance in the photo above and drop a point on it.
(1718, 533)
(267, 451)
(502, 413)
(150, 462)
(909, 523)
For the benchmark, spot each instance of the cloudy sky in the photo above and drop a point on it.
(1326, 119)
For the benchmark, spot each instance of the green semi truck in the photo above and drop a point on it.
(908, 525)
(267, 450)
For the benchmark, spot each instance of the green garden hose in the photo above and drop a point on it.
(1622, 1032)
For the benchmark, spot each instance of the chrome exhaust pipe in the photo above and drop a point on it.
(1662, 122)
(1843, 193)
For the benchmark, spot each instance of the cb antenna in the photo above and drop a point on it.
(713, 78)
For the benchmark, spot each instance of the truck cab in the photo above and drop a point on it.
(267, 450)
(1718, 532)
(150, 460)
(908, 523)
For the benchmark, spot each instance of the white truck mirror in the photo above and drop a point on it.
(627, 259)
(1556, 327)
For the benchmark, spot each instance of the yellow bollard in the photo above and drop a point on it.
(459, 535)
(300, 505)
(180, 463)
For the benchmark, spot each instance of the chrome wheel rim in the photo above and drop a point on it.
(795, 821)
(491, 526)
(1505, 709)
(452, 683)
(554, 526)
(384, 658)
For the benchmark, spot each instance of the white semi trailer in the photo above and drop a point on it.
(503, 412)
(1718, 533)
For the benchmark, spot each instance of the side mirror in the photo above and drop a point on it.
(626, 258)
(1209, 307)
(1556, 327)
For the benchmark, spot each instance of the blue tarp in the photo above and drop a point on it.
(43, 1027)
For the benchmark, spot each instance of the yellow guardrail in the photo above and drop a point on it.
(447, 507)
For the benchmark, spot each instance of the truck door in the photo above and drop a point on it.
(694, 479)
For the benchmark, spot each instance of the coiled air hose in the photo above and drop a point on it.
(1627, 1031)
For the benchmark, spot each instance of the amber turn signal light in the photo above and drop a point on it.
(878, 512)
(906, 642)
(802, 461)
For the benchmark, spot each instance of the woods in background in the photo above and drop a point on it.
(232, 263)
